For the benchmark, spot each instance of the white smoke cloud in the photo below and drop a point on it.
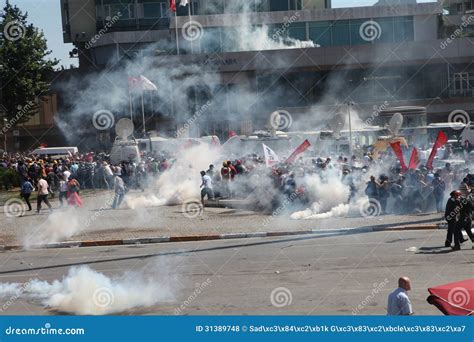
(84, 291)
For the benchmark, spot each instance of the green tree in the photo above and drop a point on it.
(25, 70)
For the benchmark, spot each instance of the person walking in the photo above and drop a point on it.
(119, 188)
(73, 188)
(26, 189)
(63, 189)
(43, 192)
(452, 216)
(398, 302)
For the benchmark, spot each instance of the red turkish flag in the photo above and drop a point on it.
(300, 149)
(441, 140)
(414, 159)
(399, 153)
(173, 5)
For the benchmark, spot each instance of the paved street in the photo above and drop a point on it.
(96, 221)
(320, 275)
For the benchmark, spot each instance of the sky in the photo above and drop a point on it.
(46, 15)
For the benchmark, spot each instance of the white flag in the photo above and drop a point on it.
(147, 84)
(270, 155)
(184, 2)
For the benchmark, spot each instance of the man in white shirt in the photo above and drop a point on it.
(43, 193)
(206, 187)
(398, 302)
(119, 188)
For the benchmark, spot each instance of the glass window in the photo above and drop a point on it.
(403, 29)
(278, 5)
(297, 31)
(341, 33)
(152, 10)
(320, 33)
(363, 31)
(386, 30)
(99, 12)
(296, 4)
(211, 40)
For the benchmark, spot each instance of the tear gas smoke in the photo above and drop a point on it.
(84, 291)
(59, 225)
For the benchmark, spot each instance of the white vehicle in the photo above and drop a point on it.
(160, 144)
(56, 151)
(125, 151)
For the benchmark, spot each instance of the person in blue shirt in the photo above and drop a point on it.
(26, 190)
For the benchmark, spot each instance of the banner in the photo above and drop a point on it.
(399, 153)
(271, 157)
(237, 328)
(441, 140)
(300, 149)
(414, 160)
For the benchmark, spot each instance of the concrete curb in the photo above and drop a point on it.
(189, 238)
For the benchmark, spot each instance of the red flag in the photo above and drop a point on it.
(414, 159)
(173, 5)
(399, 153)
(441, 139)
(231, 133)
(300, 149)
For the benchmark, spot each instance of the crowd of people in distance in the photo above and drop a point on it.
(65, 177)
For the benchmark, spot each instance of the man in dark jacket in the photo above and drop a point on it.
(465, 218)
(452, 216)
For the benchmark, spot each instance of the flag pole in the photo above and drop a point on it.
(143, 115)
(189, 17)
(130, 99)
(176, 30)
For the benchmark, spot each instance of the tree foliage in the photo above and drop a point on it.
(25, 68)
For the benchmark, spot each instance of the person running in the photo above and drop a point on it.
(26, 190)
(43, 192)
(206, 186)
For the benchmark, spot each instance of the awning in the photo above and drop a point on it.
(456, 299)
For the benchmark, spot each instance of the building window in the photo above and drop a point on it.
(320, 33)
(341, 33)
(155, 10)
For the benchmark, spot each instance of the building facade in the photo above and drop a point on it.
(391, 54)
